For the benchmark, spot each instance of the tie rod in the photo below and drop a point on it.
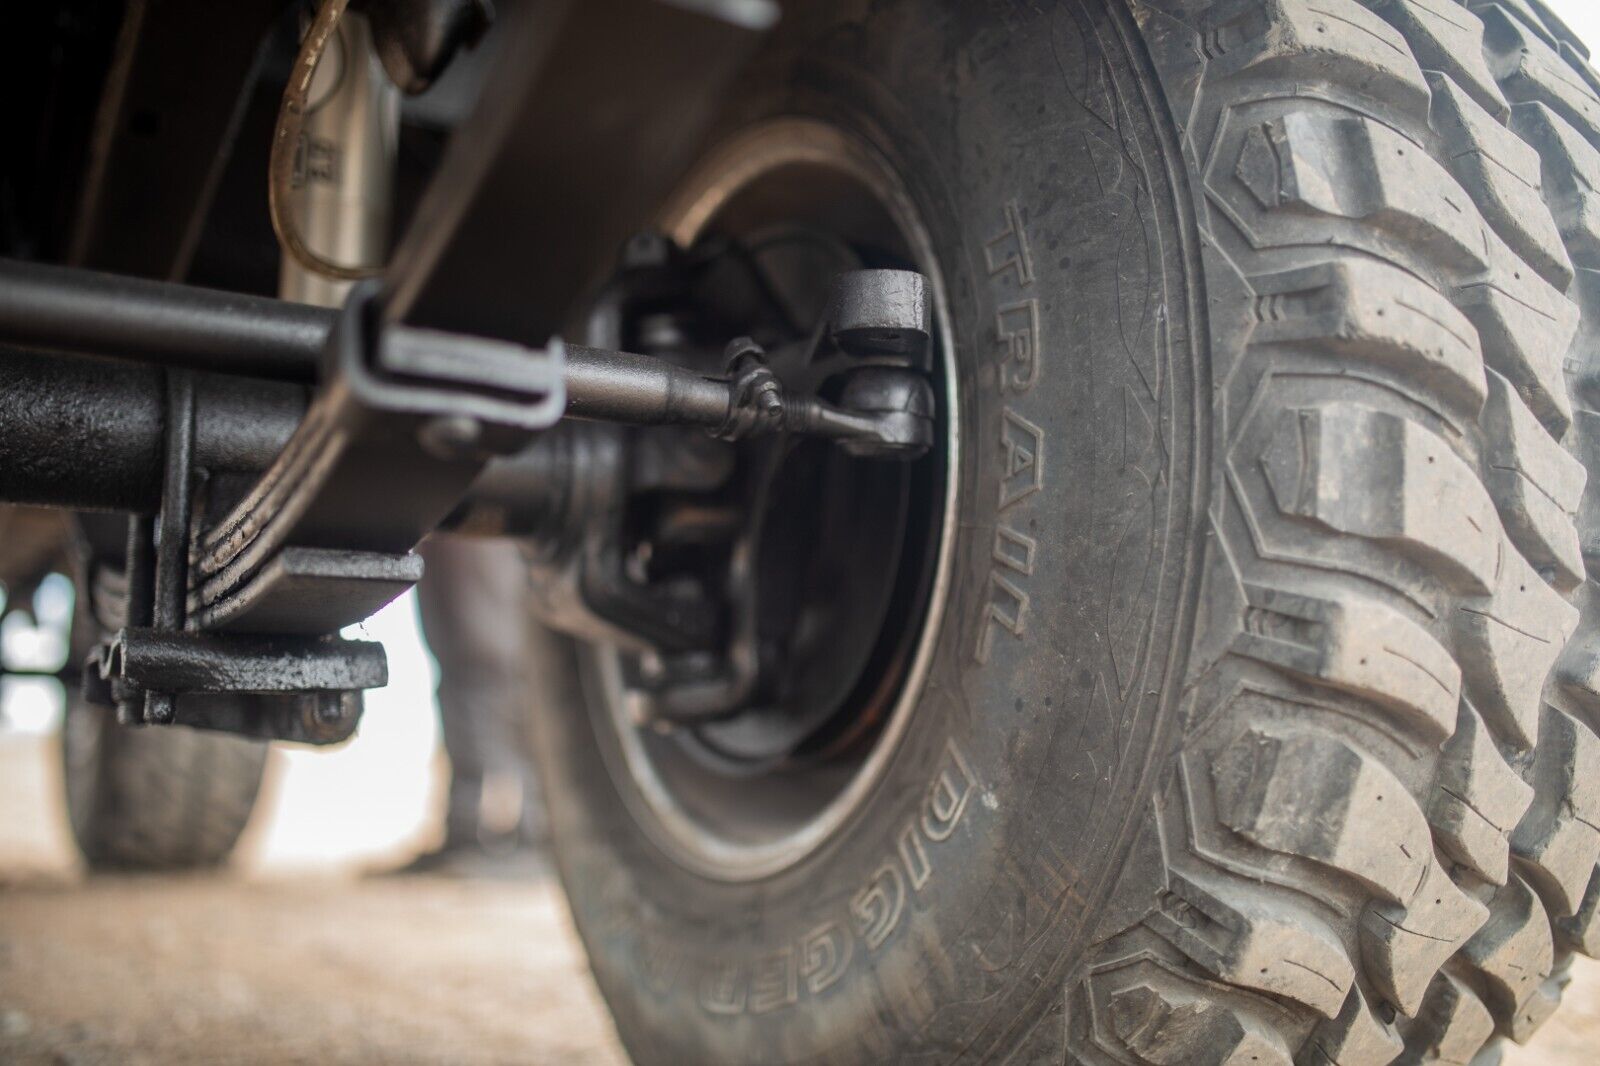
(885, 412)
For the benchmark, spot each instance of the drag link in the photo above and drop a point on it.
(886, 412)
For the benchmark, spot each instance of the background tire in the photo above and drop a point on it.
(155, 799)
(1262, 726)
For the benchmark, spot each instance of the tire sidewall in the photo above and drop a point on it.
(949, 911)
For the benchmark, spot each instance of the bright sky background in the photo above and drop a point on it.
(373, 801)
(376, 799)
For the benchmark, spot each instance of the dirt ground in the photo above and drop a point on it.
(242, 968)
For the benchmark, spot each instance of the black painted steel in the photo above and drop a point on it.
(139, 573)
(610, 386)
(289, 688)
(86, 434)
(882, 313)
(89, 313)
(387, 450)
(184, 663)
(170, 606)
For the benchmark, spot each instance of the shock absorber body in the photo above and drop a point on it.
(343, 193)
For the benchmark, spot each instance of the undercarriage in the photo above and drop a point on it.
(280, 462)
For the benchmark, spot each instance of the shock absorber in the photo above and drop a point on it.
(342, 191)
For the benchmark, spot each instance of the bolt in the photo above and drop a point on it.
(331, 708)
(325, 715)
(757, 402)
(160, 708)
(130, 711)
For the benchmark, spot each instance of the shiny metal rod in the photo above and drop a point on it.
(345, 165)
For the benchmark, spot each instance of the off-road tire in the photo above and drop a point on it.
(1263, 727)
(149, 799)
(166, 798)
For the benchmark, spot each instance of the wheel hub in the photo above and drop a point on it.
(833, 568)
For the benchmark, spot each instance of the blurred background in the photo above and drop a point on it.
(366, 805)
(307, 946)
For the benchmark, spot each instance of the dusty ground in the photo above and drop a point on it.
(255, 968)
(171, 970)
(251, 968)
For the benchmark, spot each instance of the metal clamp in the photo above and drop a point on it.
(309, 689)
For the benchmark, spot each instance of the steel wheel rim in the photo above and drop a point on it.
(656, 805)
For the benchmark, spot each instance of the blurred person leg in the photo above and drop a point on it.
(33, 544)
(474, 615)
